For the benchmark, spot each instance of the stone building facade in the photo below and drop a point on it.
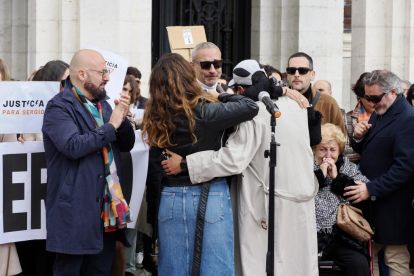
(33, 32)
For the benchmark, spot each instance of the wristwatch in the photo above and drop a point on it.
(183, 164)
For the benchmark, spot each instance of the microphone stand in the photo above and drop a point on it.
(270, 256)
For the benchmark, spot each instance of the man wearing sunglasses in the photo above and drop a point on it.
(242, 156)
(207, 62)
(386, 146)
(299, 76)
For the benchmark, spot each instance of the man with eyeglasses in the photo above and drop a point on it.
(85, 209)
(386, 146)
(299, 76)
(207, 62)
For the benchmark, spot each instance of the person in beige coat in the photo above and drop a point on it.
(295, 226)
(242, 156)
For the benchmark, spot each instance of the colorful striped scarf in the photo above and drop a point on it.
(115, 210)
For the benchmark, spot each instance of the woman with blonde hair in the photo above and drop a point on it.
(335, 172)
(181, 117)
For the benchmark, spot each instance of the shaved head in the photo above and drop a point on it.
(85, 72)
(323, 86)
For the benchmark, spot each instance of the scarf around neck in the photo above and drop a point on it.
(115, 210)
(207, 88)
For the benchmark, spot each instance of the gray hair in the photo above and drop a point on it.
(203, 45)
(386, 80)
(407, 82)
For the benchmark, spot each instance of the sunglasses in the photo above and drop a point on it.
(207, 64)
(374, 98)
(302, 70)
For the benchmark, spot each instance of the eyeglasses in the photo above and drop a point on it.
(375, 98)
(103, 73)
(207, 64)
(302, 70)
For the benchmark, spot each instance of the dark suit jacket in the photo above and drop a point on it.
(387, 159)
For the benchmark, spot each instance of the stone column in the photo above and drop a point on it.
(13, 36)
(283, 27)
(348, 97)
(382, 37)
(33, 32)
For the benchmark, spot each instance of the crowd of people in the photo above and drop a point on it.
(206, 206)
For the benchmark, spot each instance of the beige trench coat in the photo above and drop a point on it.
(295, 226)
(14, 264)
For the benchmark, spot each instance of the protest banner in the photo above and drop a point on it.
(23, 103)
(23, 177)
(118, 65)
(139, 113)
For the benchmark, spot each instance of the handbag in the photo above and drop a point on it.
(350, 220)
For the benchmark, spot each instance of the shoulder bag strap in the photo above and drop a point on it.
(198, 243)
(316, 99)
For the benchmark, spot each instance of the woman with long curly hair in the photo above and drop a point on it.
(182, 118)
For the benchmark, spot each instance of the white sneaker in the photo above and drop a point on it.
(139, 257)
(144, 272)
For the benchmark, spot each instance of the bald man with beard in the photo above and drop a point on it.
(83, 137)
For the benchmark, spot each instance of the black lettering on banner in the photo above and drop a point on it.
(128, 175)
(38, 188)
(13, 191)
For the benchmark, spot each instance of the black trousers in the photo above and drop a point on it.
(148, 262)
(350, 261)
(34, 259)
(87, 265)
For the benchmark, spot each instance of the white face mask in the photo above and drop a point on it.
(207, 88)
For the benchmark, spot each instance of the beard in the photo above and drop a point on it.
(96, 92)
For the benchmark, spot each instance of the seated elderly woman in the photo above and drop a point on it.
(334, 173)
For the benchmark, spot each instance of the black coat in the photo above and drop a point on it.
(387, 159)
(211, 121)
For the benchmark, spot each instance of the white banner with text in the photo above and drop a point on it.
(118, 65)
(23, 103)
(23, 177)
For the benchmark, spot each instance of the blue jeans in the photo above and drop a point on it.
(176, 230)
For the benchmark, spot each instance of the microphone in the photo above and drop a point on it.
(271, 107)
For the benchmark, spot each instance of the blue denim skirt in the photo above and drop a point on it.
(177, 217)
